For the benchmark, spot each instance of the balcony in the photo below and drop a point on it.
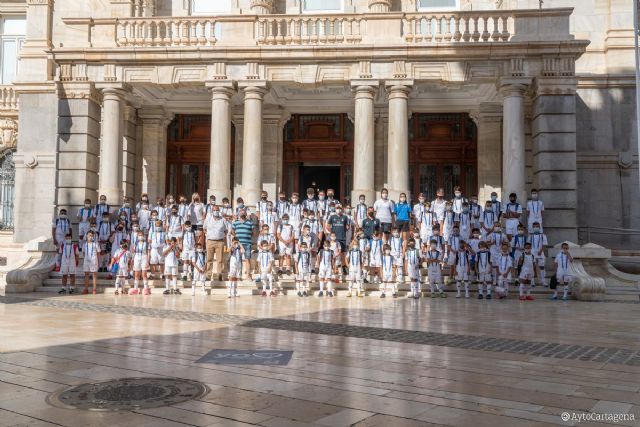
(8, 99)
(382, 29)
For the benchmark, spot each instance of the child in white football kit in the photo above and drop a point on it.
(236, 255)
(187, 249)
(397, 245)
(528, 273)
(59, 229)
(156, 241)
(303, 269)
(483, 270)
(535, 210)
(84, 216)
(286, 237)
(563, 266)
(412, 260)
(68, 262)
(199, 263)
(140, 249)
(433, 258)
(90, 251)
(463, 270)
(265, 263)
(325, 264)
(356, 270)
(504, 266)
(517, 243)
(122, 258)
(512, 212)
(171, 254)
(375, 257)
(538, 242)
(388, 267)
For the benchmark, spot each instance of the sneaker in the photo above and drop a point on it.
(85, 291)
(480, 296)
(184, 277)
(320, 294)
(57, 268)
(529, 298)
(458, 295)
(349, 295)
(522, 298)
(467, 295)
(361, 295)
(117, 292)
(553, 297)
(488, 296)
(272, 294)
(109, 276)
(330, 294)
(305, 294)
(416, 296)
(177, 292)
(166, 292)
(433, 295)
(382, 295)
(62, 291)
(443, 295)
(264, 293)
(299, 293)
(94, 292)
(365, 281)
(258, 280)
(146, 291)
(134, 292)
(395, 295)
(125, 291)
(565, 298)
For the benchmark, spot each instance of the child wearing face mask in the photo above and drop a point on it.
(59, 230)
(504, 266)
(144, 199)
(269, 217)
(360, 211)
(187, 247)
(398, 246)
(452, 248)
(463, 269)
(156, 241)
(310, 203)
(512, 212)
(426, 222)
(538, 242)
(458, 200)
(496, 205)
(387, 274)
(90, 250)
(417, 211)
(295, 214)
(171, 254)
(121, 259)
(68, 262)
(535, 210)
(402, 213)
(496, 239)
(375, 257)
(325, 264)
(528, 272)
(199, 263)
(144, 217)
(303, 269)
(440, 242)
(101, 209)
(433, 258)
(563, 266)
(355, 264)
(488, 218)
(336, 247)
(476, 211)
(140, 251)
(412, 260)
(483, 270)
(84, 216)
(517, 243)
(365, 247)
(465, 221)
(236, 255)
(449, 219)
(125, 209)
(286, 240)
(105, 231)
(473, 245)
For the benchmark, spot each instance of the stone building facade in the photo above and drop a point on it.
(120, 97)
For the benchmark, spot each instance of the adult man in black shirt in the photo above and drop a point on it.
(338, 224)
(370, 224)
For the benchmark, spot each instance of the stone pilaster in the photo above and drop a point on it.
(488, 120)
(129, 151)
(154, 150)
(220, 155)
(554, 154)
(254, 92)
(364, 139)
(35, 61)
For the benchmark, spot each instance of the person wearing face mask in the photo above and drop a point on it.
(303, 269)
(144, 198)
(234, 273)
(215, 230)
(310, 203)
(473, 244)
(311, 240)
(226, 210)
(496, 239)
(463, 270)
(90, 252)
(338, 224)
(338, 254)
(59, 229)
(438, 206)
(199, 263)
(433, 258)
(294, 211)
(140, 252)
(84, 215)
(426, 221)
(355, 265)
(125, 209)
(175, 225)
(538, 242)
(187, 243)
(212, 202)
(360, 211)
(398, 246)
(512, 213)
(458, 200)
(385, 213)
(402, 215)
(105, 231)
(435, 236)
(417, 211)
(376, 251)
(156, 241)
(196, 216)
(452, 249)
(325, 264)
(121, 262)
(517, 243)
(330, 195)
(412, 261)
(68, 262)
(323, 204)
(171, 254)
(387, 274)
(496, 205)
(101, 208)
(535, 210)
(162, 210)
(370, 225)
(464, 221)
(286, 242)
(504, 266)
(183, 208)
(476, 211)
(484, 269)
(245, 230)
(563, 267)
(487, 220)
(449, 219)
(262, 205)
(528, 272)
(117, 236)
(144, 218)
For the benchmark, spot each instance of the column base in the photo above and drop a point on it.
(220, 193)
(370, 197)
(251, 196)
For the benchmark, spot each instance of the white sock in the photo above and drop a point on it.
(145, 283)
(565, 291)
(521, 289)
(166, 283)
(174, 282)
(466, 288)
(489, 288)
(481, 288)
(136, 283)
(458, 285)
(330, 286)
(528, 289)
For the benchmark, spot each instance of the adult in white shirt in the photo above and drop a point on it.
(438, 207)
(384, 209)
(196, 215)
(535, 209)
(215, 230)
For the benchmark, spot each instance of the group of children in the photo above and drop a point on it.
(321, 238)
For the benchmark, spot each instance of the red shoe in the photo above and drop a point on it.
(264, 293)
(134, 292)
(85, 291)
(146, 291)
(530, 298)
(57, 268)
(109, 276)
(95, 291)
(272, 294)
(522, 298)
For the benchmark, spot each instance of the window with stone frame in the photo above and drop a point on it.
(318, 6)
(12, 30)
(210, 7)
(428, 5)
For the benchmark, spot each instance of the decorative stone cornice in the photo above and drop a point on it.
(40, 2)
(554, 86)
(79, 90)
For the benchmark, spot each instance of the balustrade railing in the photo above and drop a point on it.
(457, 27)
(8, 98)
(304, 30)
(187, 31)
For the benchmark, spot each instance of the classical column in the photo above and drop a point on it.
(398, 140)
(220, 154)
(154, 151)
(111, 142)
(488, 120)
(364, 140)
(513, 141)
(254, 92)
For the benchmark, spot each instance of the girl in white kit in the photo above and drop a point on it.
(449, 219)
(265, 263)
(199, 262)
(388, 268)
(433, 258)
(528, 272)
(483, 270)
(84, 216)
(156, 242)
(140, 249)
(504, 266)
(236, 254)
(286, 237)
(90, 250)
(68, 263)
(325, 264)
(356, 270)
(412, 260)
(171, 254)
(121, 259)
(538, 242)
(397, 245)
(375, 257)
(488, 218)
(463, 269)
(187, 248)
(303, 269)
(563, 266)
(426, 221)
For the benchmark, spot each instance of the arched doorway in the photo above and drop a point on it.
(7, 189)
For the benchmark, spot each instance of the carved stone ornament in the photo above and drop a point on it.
(30, 161)
(8, 133)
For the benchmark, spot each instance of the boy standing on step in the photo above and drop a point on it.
(90, 250)
(68, 263)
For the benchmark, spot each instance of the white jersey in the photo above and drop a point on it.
(456, 204)
(91, 250)
(528, 262)
(157, 238)
(387, 265)
(437, 207)
(538, 242)
(196, 213)
(534, 210)
(315, 226)
(269, 238)
(139, 249)
(189, 240)
(412, 257)
(360, 212)
(171, 258)
(269, 218)
(265, 259)
(326, 258)
(303, 262)
(310, 204)
(174, 224)
(483, 262)
(504, 263)
(565, 265)
(434, 267)
(68, 253)
(262, 208)
(295, 213)
(62, 226)
(199, 259)
(354, 257)
(84, 214)
(384, 210)
(144, 216)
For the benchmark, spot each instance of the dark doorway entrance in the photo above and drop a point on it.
(320, 178)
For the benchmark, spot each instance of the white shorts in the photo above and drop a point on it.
(526, 274)
(90, 265)
(325, 272)
(176, 234)
(387, 277)
(235, 269)
(187, 254)
(502, 279)
(156, 256)
(414, 273)
(495, 257)
(434, 276)
(68, 268)
(266, 275)
(511, 227)
(83, 228)
(564, 276)
(140, 263)
(485, 276)
(375, 262)
(451, 259)
(199, 277)
(462, 275)
(303, 276)
(540, 261)
(355, 274)
(170, 270)
(285, 249)
(397, 260)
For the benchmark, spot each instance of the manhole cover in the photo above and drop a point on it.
(127, 394)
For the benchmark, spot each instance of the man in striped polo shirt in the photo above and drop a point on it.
(244, 230)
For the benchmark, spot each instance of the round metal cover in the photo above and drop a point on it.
(126, 394)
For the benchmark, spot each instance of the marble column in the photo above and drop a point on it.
(254, 92)
(488, 121)
(111, 143)
(364, 140)
(398, 140)
(154, 151)
(513, 141)
(220, 154)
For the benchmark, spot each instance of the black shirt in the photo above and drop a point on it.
(370, 225)
(338, 224)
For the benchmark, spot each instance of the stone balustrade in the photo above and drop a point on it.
(306, 30)
(375, 28)
(8, 98)
(149, 32)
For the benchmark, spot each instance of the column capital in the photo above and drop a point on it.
(255, 89)
(113, 90)
(514, 86)
(364, 88)
(222, 87)
(399, 88)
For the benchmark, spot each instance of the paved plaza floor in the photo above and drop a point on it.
(363, 362)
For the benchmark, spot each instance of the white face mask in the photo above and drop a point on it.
(216, 214)
(384, 196)
(68, 241)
